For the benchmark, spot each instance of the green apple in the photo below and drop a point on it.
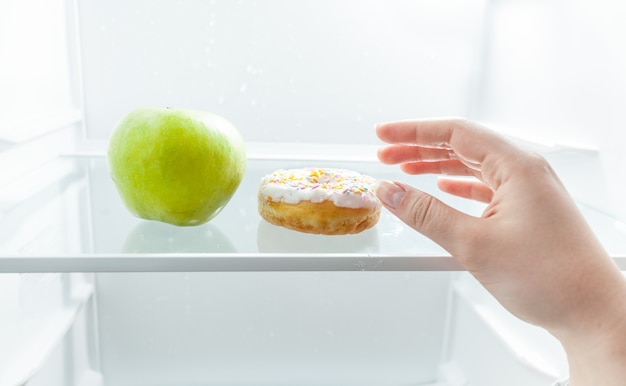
(176, 166)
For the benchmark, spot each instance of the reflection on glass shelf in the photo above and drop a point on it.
(274, 239)
(80, 216)
(157, 237)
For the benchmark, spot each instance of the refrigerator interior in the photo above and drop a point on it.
(94, 296)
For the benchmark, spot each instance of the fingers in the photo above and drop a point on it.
(455, 134)
(427, 215)
(442, 140)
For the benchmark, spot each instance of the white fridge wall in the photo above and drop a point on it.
(306, 71)
(40, 87)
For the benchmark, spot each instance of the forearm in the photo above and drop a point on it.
(593, 363)
(595, 340)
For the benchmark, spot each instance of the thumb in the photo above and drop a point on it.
(444, 225)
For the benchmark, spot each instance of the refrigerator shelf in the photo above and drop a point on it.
(67, 217)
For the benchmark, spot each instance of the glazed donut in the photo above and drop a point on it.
(319, 200)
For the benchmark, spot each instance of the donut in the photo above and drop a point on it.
(324, 201)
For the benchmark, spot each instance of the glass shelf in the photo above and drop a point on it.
(67, 217)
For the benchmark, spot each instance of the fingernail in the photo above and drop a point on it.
(390, 193)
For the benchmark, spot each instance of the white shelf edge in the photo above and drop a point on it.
(238, 262)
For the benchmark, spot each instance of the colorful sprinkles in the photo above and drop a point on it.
(344, 187)
(337, 180)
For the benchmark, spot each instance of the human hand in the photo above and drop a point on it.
(531, 248)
